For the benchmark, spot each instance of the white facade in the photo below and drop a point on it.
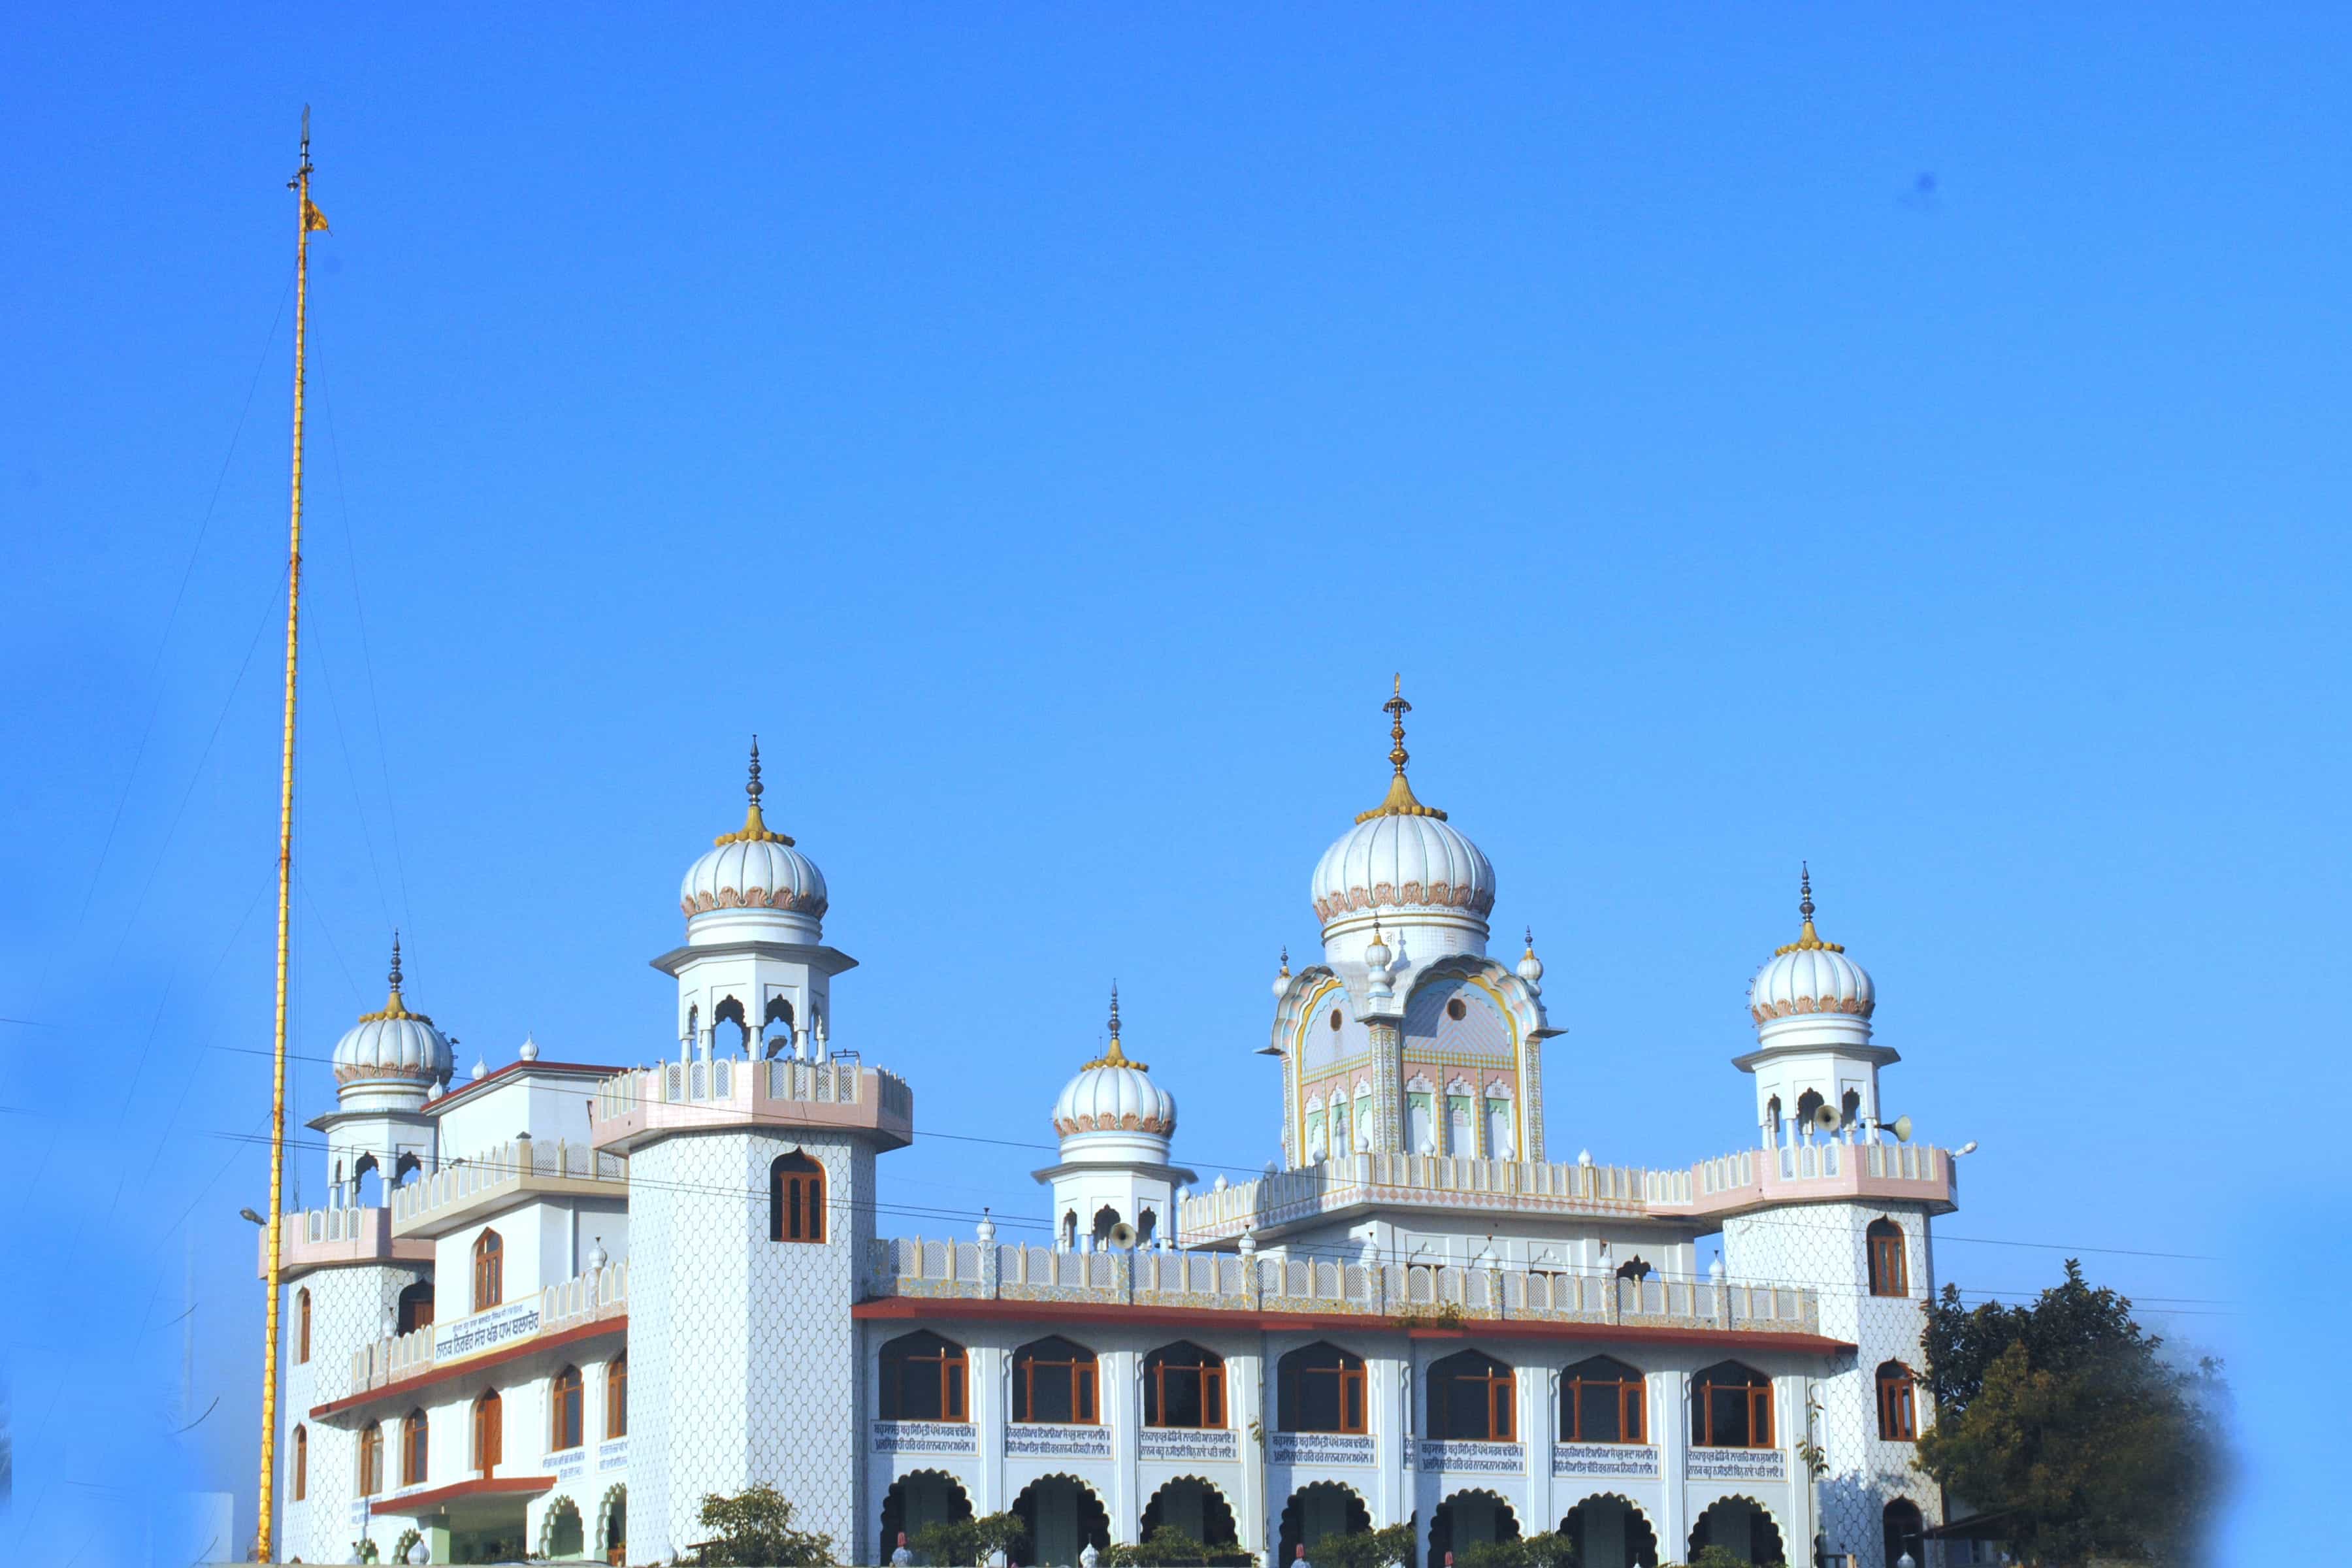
(601, 1293)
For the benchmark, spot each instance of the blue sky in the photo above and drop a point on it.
(1910, 440)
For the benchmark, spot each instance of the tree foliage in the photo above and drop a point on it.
(754, 1530)
(1387, 1548)
(1549, 1549)
(969, 1542)
(1169, 1547)
(1714, 1556)
(2064, 1418)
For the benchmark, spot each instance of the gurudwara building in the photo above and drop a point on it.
(552, 1305)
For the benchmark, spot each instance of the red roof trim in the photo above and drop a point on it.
(904, 1309)
(568, 1069)
(472, 1364)
(480, 1485)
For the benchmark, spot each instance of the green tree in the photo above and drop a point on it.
(2065, 1418)
(1549, 1549)
(754, 1530)
(1712, 1556)
(1386, 1548)
(969, 1542)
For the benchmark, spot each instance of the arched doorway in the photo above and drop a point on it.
(1742, 1527)
(613, 1524)
(1063, 1517)
(920, 1499)
(560, 1539)
(1902, 1525)
(1195, 1507)
(1466, 1520)
(1611, 1532)
(1323, 1509)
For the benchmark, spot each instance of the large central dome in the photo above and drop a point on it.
(1403, 866)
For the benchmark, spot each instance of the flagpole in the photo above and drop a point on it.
(306, 218)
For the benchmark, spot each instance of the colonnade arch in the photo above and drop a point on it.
(1196, 1507)
(561, 1536)
(1611, 1531)
(1467, 1519)
(918, 1498)
(612, 1523)
(1743, 1527)
(1318, 1510)
(1063, 1517)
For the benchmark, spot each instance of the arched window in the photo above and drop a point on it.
(1184, 1386)
(1890, 1275)
(1731, 1408)
(1053, 1381)
(795, 1199)
(780, 1011)
(1902, 1528)
(489, 1432)
(731, 1011)
(1322, 1390)
(1604, 1401)
(489, 1271)
(415, 1307)
(1470, 1399)
(301, 1463)
(371, 1459)
(408, 1168)
(925, 1378)
(617, 1397)
(414, 1449)
(1807, 1103)
(565, 1427)
(1106, 1218)
(1634, 1268)
(1898, 1404)
(301, 1326)
(1070, 1231)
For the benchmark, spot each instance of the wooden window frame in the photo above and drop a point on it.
(1898, 1404)
(617, 1397)
(1210, 1368)
(1352, 1393)
(1890, 1267)
(489, 1432)
(567, 1410)
(301, 1461)
(415, 1449)
(796, 1199)
(1083, 1370)
(942, 1362)
(371, 1458)
(490, 1270)
(1758, 1409)
(1632, 1395)
(301, 1326)
(1497, 1397)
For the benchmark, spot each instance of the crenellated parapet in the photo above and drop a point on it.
(636, 1107)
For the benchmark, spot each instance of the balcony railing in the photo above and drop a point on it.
(974, 1271)
(1751, 1178)
(520, 1166)
(323, 1239)
(728, 1093)
(589, 1298)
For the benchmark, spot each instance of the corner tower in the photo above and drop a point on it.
(751, 1210)
(1408, 1038)
(1114, 1124)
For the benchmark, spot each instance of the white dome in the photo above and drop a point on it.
(753, 868)
(1809, 975)
(1403, 861)
(1114, 1095)
(756, 873)
(394, 1044)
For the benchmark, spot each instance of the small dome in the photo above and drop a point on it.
(1115, 1094)
(753, 868)
(1811, 975)
(394, 1046)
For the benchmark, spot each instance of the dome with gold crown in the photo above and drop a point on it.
(1810, 976)
(1113, 1100)
(1403, 865)
(394, 1051)
(752, 879)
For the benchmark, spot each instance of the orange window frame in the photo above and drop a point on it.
(616, 1398)
(799, 1201)
(301, 1326)
(301, 1463)
(1898, 1406)
(1212, 1374)
(1633, 1397)
(489, 1432)
(1890, 1272)
(1084, 1410)
(567, 1423)
(490, 1270)
(414, 1437)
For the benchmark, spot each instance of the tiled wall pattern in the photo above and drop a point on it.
(348, 1308)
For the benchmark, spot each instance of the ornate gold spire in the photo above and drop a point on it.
(755, 827)
(1808, 939)
(394, 1007)
(1112, 1055)
(1400, 801)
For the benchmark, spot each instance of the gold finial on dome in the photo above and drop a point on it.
(1808, 939)
(1400, 801)
(1112, 1055)
(394, 1007)
(755, 827)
